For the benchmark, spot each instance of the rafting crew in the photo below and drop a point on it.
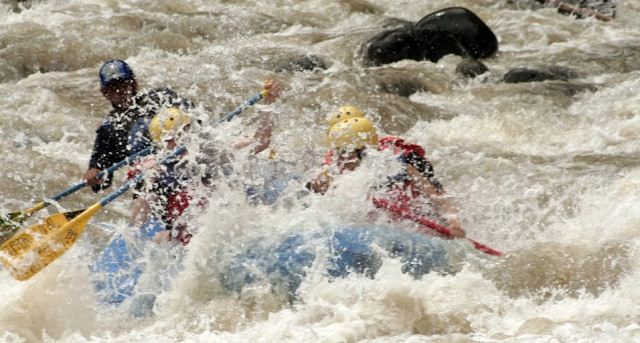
(160, 117)
(169, 189)
(351, 136)
(119, 86)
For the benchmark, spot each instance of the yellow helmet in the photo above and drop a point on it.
(344, 112)
(168, 122)
(353, 132)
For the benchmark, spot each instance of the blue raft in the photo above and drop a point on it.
(118, 268)
(359, 250)
(282, 261)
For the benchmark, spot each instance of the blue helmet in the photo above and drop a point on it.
(115, 70)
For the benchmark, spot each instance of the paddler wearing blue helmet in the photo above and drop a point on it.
(119, 86)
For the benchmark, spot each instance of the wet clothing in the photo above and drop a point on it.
(167, 194)
(411, 154)
(112, 137)
(139, 137)
(172, 189)
(408, 153)
(170, 186)
(110, 146)
(400, 189)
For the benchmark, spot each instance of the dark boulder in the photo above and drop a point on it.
(453, 30)
(392, 46)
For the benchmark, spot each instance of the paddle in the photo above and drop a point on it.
(408, 214)
(10, 223)
(29, 251)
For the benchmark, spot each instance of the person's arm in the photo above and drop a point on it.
(99, 157)
(262, 136)
(424, 179)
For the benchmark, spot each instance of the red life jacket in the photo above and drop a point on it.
(177, 202)
(401, 193)
(404, 192)
(402, 196)
(398, 145)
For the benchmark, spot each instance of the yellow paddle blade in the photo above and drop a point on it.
(29, 251)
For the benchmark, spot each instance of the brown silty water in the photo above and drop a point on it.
(544, 171)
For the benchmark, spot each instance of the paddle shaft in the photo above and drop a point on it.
(227, 117)
(39, 206)
(178, 151)
(408, 214)
(116, 166)
(248, 103)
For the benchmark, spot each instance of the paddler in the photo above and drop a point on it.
(119, 86)
(351, 135)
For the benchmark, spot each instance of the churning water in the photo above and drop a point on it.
(548, 172)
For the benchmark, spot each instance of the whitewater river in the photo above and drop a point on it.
(547, 172)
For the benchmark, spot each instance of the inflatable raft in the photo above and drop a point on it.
(281, 261)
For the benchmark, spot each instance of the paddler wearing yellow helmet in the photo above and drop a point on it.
(349, 136)
(171, 191)
(166, 193)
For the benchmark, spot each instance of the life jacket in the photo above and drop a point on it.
(397, 189)
(401, 184)
(177, 203)
(169, 185)
(399, 146)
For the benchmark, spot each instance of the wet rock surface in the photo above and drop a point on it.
(454, 30)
